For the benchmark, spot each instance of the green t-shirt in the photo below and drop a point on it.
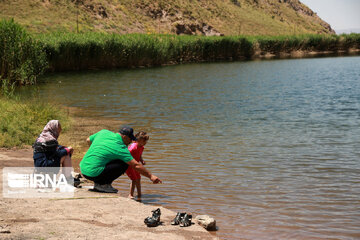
(105, 147)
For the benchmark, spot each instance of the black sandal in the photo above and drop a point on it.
(186, 220)
(178, 218)
(154, 220)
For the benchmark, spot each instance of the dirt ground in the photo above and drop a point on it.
(89, 215)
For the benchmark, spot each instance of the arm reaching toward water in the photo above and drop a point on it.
(143, 171)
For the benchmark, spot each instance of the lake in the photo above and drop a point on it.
(270, 149)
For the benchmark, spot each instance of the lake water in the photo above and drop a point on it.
(270, 149)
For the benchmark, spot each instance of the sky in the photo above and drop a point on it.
(340, 14)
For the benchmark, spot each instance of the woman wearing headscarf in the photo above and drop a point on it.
(48, 152)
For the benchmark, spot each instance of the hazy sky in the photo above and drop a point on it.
(340, 14)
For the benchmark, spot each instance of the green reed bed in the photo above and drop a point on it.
(70, 51)
(350, 40)
(26, 56)
(298, 43)
(67, 51)
(276, 44)
(96, 50)
(22, 58)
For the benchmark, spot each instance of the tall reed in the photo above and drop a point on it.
(98, 50)
(70, 51)
(22, 58)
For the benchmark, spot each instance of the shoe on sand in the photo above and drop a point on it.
(186, 221)
(153, 221)
(179, 216)
(75, 182)
(111, 187)
(106, 188)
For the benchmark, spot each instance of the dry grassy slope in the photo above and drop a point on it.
(229, 17)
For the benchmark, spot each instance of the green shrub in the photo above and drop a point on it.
(22, 58)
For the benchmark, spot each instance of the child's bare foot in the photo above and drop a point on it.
(139, 196)
(130, 196)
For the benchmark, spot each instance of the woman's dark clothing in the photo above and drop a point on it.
(48, 154)
(112, 171)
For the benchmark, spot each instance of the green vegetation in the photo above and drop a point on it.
(277, 44)
(22, 121)
(22, 58)
(26, 56)
(100, 50)
(70, 51)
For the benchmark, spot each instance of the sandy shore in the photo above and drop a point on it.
(89, 215)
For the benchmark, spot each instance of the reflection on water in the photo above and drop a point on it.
(270, 149)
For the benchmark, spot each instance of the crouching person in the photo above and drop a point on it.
(108, 158)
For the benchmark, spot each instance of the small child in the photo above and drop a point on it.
(136, 149)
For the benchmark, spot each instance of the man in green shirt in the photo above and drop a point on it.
(108, 157)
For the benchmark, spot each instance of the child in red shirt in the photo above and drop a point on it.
(136, 149)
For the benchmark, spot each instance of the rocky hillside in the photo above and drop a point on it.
(202, 17)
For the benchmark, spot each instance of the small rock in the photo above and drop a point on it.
(206, 222)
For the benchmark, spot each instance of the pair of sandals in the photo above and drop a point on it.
(154, 220)
(182, 219)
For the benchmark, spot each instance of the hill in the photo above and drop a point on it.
(201, 17)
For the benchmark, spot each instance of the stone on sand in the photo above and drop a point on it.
(206, 222)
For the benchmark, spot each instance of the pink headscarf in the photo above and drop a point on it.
(50, 132)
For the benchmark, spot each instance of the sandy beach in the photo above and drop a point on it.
(89, 215)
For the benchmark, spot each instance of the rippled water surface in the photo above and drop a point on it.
(270, 149)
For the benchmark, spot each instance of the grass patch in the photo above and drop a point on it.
(22, 121)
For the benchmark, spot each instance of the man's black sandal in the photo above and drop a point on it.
(186, 220)
(178, 218)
